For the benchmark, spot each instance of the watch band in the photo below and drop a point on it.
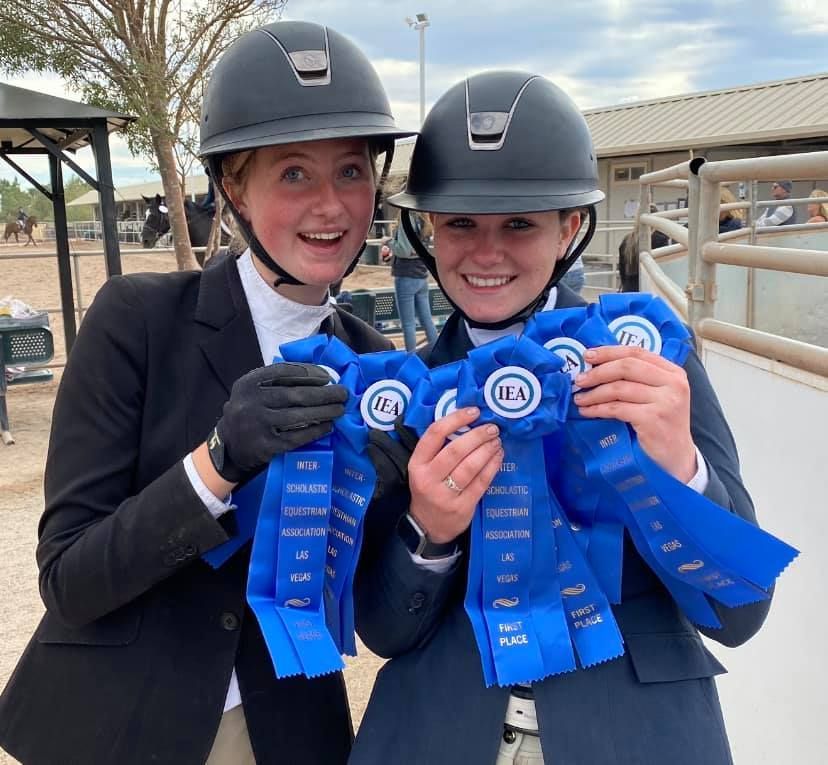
(418, 543)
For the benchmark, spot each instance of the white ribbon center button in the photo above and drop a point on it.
(512, 392)
(383, 402)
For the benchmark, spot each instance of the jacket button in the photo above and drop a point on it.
(416, 602)
(229, 621)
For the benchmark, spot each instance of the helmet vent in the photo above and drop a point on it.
(310, 63)
(487, 130)
(488, 126)
(311, 67)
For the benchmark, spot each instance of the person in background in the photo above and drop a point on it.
(410, 284)
(818, 211)
(780, 214)
(22, 217)
(576, 276)
(628, 254)
(729, 220)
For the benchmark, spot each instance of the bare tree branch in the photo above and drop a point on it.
(145, 57)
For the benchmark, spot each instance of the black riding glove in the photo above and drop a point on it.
(273, 410)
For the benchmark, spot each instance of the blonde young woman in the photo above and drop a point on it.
(729, 220)
(168, 402)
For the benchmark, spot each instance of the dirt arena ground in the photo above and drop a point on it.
(35, 281)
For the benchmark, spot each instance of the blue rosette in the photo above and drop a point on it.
(335, 357)
(434, 397)
(700, 551)
(489, 365)
(514, 599)
(353, 481)
(646, 321)
(569, 333)
(289, 585)
(390, 378)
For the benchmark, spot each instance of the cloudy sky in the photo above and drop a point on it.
(601, 52)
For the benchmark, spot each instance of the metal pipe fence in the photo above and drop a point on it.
(705, 248)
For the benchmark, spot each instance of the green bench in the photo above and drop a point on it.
(22, 341)
(379, 309)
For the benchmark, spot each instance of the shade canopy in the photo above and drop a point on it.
(35, 123)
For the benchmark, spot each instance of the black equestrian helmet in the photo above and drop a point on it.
(287, 82)
(502, 142)
(292, 81)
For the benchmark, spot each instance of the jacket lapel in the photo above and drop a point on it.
(231, 348)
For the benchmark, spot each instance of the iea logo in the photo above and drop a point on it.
(637, 331)
(512, 392)
(383, 402)
(446, 404)
(572, 352)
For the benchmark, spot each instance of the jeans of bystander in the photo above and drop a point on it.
(412, 303)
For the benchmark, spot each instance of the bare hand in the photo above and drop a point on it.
(385, 252)
(648, 392)
(471, 460)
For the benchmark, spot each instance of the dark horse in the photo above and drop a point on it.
(13, 229)
(199, 222)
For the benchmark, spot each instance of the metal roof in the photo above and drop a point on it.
(60, 119)
(788, 110)
(195, 184)
(403, 149)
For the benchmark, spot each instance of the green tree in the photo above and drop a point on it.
(149, 59)
(73, 188)
(12, 198)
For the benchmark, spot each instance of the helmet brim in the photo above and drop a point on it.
(487, 203)
(301, 129)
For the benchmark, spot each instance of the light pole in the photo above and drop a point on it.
(420, 22)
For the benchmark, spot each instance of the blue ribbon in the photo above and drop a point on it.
(698, 549)
(291, 574)
(514, 599)
(568, 333)
(246, 502)
(519, 530)
(434, 397)
(538, 569)
(592, 626)
(631, 317)
(285, 582)
(390, 377)
(353, 481)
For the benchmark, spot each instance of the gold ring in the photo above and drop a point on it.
(452, 484)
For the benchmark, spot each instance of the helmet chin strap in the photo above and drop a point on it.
(257, 248)
(215, 172)
(561, 267)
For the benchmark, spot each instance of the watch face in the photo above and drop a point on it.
(412, 536)
(418, 543)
